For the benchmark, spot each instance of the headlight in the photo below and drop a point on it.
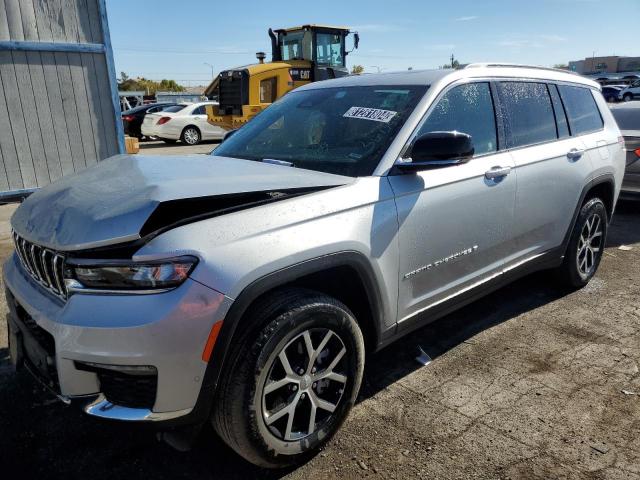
(121, 276)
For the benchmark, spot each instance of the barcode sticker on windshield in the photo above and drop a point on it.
(374, 114)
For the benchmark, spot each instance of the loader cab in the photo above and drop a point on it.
(323, 46)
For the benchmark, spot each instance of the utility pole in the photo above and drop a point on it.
(452, 59)
(207, 63)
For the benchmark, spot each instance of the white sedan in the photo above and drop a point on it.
(187, 123)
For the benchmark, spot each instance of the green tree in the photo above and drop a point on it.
(455, 64)
(357, 69)
(150, 87)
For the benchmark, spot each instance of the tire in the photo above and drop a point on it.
(191, 135)
(611, 99)
(249, 418)
(627, 97)
(586, 245)
(170, 141)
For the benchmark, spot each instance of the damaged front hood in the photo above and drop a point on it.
(127, 197)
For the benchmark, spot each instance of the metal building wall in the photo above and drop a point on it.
(59, 107)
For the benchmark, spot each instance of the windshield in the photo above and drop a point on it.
(627, 118)
(343, 130)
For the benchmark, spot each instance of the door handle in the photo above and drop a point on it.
(497, 172)
(575, 153)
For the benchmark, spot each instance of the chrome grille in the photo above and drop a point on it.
(45, 266)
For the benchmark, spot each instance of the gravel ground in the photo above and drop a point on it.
(529, 382)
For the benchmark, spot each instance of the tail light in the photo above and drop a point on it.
(637, 152)
(163, 120)
(128, 118)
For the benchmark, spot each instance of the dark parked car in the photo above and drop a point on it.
(132, 119)
(610, 93)
(628, 119)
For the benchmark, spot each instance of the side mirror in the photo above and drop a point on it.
(228, 135)
(356, 40)
(437, 150)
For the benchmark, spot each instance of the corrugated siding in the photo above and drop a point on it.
(56, 110)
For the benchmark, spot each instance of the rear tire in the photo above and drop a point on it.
(191, 136)
(627, 97)
(586, 245)
(304, 357)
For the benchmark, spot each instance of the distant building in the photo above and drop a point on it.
(610, 64)
(179, 97)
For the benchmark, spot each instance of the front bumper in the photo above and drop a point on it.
(166, 332)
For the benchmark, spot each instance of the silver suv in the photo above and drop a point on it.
(246, 287)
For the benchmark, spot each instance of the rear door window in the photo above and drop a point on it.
(528, 115)
(468, 109)
(581, 109)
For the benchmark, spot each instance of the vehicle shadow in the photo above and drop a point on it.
(399, 359)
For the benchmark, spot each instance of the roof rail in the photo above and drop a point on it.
(517, 65)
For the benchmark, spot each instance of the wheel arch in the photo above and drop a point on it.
(603, 187)
(325, 274)
(190, 125)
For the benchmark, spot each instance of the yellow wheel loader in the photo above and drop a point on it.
(300, 55)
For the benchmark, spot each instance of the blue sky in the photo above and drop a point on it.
(169, 39)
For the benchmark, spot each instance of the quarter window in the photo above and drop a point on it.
(581, 108)
(527, 111)
(468, 109)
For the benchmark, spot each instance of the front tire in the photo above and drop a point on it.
(586, 245)
(291, 381)
(627, 97)
(191, 136)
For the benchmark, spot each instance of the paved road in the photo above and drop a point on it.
(526, 383)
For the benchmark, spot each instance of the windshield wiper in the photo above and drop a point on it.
(275, 161)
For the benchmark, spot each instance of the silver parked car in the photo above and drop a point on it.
(628, 119)
(245, 287)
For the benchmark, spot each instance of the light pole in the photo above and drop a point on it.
(207, 63)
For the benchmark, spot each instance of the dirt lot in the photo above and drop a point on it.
(527, 383)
